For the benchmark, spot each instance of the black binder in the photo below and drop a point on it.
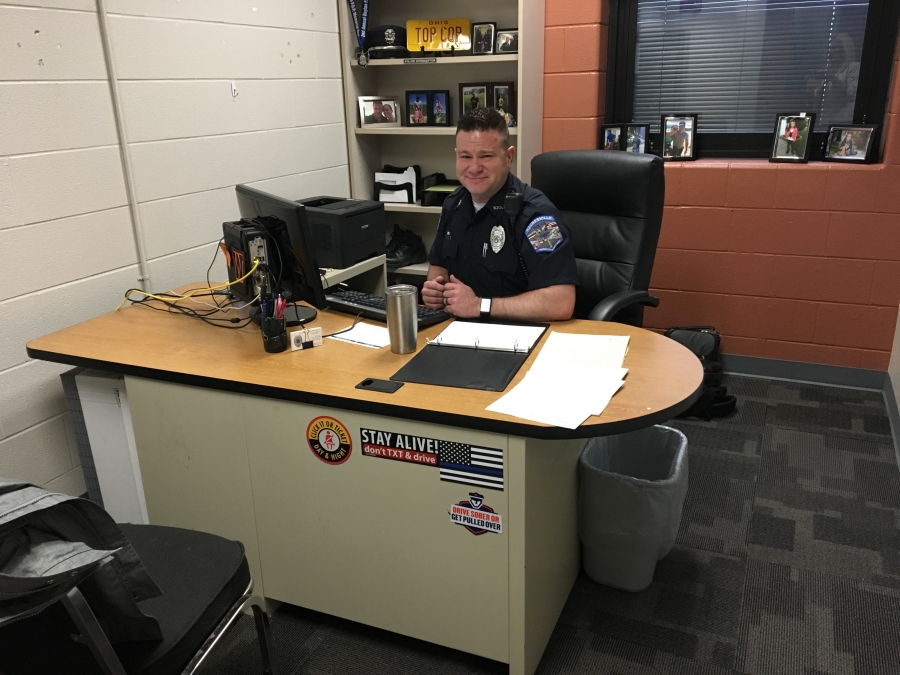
(464, 367)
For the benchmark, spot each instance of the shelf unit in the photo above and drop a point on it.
(432, 147)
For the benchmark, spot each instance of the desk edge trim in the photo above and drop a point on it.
(372, 407)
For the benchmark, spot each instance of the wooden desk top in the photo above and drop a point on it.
(663, 379)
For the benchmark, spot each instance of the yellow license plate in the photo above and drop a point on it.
(438, 35)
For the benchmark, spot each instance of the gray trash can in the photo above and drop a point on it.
(629, 506)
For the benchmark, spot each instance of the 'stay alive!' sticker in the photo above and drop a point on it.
(476, 516)
(329, 440)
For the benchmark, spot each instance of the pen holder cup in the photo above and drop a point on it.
(402, 317)
(274, 334)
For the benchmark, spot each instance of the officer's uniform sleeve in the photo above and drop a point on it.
(546, 246)
(436, 254)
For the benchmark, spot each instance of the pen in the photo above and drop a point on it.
(484, 251)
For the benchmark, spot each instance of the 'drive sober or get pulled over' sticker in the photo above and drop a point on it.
(329, 440)
(457, 462)
(476, 516)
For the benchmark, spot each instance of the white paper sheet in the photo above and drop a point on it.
(505, 337)
(366, 335)
(574, 376)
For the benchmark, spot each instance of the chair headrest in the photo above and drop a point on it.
(599, 181)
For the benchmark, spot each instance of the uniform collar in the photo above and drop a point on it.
(494, 205)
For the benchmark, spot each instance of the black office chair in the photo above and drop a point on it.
(612, 202)
(206, 587)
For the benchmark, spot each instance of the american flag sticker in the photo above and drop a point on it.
(457, 462)
(471, 465)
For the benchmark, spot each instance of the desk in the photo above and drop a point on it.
(221, 432)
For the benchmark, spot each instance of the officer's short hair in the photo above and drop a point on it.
(484, 119)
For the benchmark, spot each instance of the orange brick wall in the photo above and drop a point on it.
(788, 262)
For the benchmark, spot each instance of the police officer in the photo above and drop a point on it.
(501, 248)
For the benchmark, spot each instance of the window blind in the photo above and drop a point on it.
(738, 63)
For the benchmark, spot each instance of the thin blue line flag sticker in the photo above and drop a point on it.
(544, 234)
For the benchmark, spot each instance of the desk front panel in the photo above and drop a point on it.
(371, 538)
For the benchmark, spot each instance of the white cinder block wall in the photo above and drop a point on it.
(67, 249)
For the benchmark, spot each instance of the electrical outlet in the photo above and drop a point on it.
(311, 337)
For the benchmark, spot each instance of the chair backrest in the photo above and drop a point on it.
(612, 202)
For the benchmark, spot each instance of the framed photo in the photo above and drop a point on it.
(418, 112)
(611, 136)
(791, 138)
(439, 107)
(483, 38)
(381, 111)
(851, 143)
(678, 132)
(507, 41)
(636, 136)
(473, 95)
(503, 95)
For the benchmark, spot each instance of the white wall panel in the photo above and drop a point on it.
(318, 15)
(169, 168)
(319, 102)
(246, 12)
(165, 49)
(60, 184)
(188, 108)
(334, 182)
(41, 116)
(186, 267)
(45, 44)
(29, 394)
(38, 454)
(31, 316)
(9, 213)
(187, 221)
(328, 55)
(84, 5)
(70, 483)
(65, 249)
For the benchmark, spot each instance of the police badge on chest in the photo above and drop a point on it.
(498, 238)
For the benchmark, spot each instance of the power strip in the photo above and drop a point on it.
(306, 338)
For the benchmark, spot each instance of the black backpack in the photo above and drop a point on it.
(703, 341)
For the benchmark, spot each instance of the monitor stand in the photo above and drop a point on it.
(297, 315)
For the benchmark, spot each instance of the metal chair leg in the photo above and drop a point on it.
(264, 637)
(92, 633)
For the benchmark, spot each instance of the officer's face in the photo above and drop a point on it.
(482, 163)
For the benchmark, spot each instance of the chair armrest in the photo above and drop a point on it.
(611, 305)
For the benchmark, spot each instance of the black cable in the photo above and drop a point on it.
(209, 269)
(203, 315)
(355, 321)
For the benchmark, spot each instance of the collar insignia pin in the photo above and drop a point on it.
(498, 238)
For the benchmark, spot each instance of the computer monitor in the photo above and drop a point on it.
(300, 272)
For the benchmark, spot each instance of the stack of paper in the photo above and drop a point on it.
(366, 335)
(575, 376)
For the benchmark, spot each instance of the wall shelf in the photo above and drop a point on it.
(440, 60)
(414, 131)
(397, 207)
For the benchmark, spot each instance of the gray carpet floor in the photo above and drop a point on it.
(787, 562)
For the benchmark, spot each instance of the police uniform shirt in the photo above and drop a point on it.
(462, 245)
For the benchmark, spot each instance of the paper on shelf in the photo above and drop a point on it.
(366, 335)
(504, 337)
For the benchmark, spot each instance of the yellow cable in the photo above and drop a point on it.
(189, 293)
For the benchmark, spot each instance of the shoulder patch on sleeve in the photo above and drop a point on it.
(543, 234)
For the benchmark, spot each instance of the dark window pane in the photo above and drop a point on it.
(737, 63)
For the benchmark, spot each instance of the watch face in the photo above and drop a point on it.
(485, 305)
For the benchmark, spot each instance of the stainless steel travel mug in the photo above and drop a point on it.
(402, 319)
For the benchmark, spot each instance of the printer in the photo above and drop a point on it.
(344, 232)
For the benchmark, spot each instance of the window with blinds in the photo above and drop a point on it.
(738, 63)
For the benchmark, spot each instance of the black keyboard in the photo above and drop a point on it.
(372, 307)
